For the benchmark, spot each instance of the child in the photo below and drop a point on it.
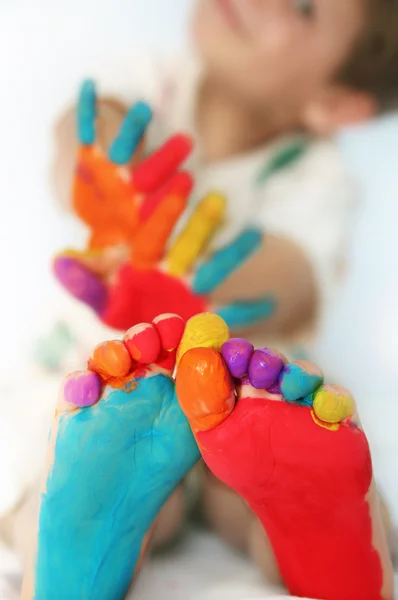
(270, 75)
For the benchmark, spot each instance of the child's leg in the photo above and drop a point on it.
(116, 453)
(229, 516)
(292, 451)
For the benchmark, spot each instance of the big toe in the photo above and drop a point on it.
(203, 384)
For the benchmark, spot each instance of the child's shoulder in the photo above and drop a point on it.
(322, 159)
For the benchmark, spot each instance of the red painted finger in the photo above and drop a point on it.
(157, 169)
(180, 183)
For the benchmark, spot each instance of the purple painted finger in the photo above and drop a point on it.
(237, 353)
(81, 283)
(82, 389)
(264, 369)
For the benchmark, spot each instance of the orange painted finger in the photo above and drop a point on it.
(204, 388)
(104, 199)
(199, 230)
(153, 235)
(180, 183)
(155, 171)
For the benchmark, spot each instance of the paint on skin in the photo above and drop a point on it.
(82, 389)
(204, 388)
(155, 170)
(81, 283)
(296, 383)
(308, 485)
(225, 261)
(115, 465)
(131, 132)
(143, 343)
(314, 512)
(264, 369)
(237, 353)
(180, 183)
(196, 235)
(244, 314)
(141, 295)
(86, 113)
(170, 328)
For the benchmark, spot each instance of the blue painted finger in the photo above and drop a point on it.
(224, 262)
(244, 314)
(131, 132)
(87, 113)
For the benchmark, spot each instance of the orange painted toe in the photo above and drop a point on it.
(111, 359)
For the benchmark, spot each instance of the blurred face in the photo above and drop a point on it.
(276, 51)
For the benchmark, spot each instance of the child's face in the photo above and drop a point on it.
(278, 53)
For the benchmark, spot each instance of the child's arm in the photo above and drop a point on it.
(307, 215)
(280, 270)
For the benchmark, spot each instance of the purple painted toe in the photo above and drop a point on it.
(264, 369)
(237, 353)
(82, 389)
(81, 283)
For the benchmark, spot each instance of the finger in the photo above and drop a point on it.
(153, 235)
(87, 113)
(131, 132)
(155, 170)
(244, 314)
(180, 183)
(204, 222)
(224, 262)
(81, 283)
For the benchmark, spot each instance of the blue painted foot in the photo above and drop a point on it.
(117, 455)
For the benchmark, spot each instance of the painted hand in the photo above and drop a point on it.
(112, 194)
(126, 275)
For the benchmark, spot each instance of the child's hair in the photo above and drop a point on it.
(373, 64)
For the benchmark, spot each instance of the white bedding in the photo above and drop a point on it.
(202, 568)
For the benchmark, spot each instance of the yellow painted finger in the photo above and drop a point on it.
(202, 225)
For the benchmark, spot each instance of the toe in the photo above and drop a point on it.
(299, 380)
(265, 367)
(170, 329)
(237, 353)
(205, 330)
(82, 389)
(111, 360)
(204, 388)
(143, 343)
(332, 405)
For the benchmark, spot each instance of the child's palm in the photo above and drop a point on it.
(125, 275)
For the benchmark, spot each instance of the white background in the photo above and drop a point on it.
(46, 48)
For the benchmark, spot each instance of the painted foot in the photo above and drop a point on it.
(119, 446)
(293, 448)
